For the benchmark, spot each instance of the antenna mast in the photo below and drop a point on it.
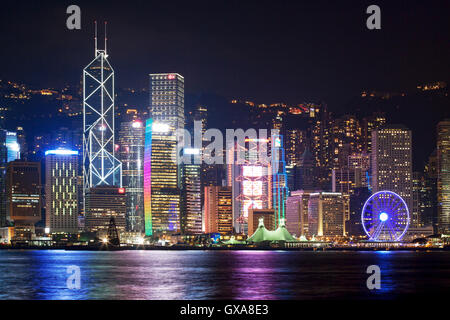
(95, 37)
(106, 38)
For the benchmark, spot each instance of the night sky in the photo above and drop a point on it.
(267, 51)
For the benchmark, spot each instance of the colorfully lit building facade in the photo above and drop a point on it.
(102, 204)
(218, 216)
(161, 181)
(131, 155)
(24, 200)
(443, 176)
(326, 214)
(251, 181)
(392, 161)
(61, 191)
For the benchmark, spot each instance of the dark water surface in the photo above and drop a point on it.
(42, 274)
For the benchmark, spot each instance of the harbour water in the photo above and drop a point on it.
(192, 275)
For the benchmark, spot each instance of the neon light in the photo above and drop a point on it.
(385, 216)
(148, 178)
(62, 152)
(171, 77)
(121, 190)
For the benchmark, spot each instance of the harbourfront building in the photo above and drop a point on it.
(131, 155)
(392, 161)
(161, 179)
(443, 176)
(61, 191)
(9, 151)
(218, 210)
(254, 216)
(24, 201)
(326, 214)
(102, 204)
(191, 211)
(297, 212)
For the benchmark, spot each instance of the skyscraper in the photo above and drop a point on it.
(392, 161)
(24, 197)
(326, 214)
(167, 99)
(161, 189)
(100, 165)
(61, 190)
(191, 215)
(443, 176)
(280, 189)
(218, 210)
(9, 151)
(131, 155)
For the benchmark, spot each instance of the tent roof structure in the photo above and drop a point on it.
(262, 234)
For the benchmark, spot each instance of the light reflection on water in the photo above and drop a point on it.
(194, 275)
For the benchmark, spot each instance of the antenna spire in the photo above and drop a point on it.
(95, 37)
(106, 38)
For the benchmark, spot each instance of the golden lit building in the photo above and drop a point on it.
(218, 210)
(392, 161)
(326, 214)
(443, 175)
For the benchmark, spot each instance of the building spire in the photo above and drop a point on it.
(106, 39)
(95, 38)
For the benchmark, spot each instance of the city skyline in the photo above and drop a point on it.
(236, 150)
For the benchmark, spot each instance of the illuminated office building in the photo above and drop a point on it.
(9, 151)
(167, 99)
(326, 214)
(218, 210)
(191, 215)
(369, 124)
(161, 187)
(100, 165)
(254, 216)
(295, 141)
(251, 181)
(102, 204)
(443, 176)
(131, 155)
(297, 212)
(428, 197)
(61, 191)
(392, 161)
(24, 197)
(280, 189)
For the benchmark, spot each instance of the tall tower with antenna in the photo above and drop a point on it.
(100, 166)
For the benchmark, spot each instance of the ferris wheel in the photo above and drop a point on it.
(385, 216)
